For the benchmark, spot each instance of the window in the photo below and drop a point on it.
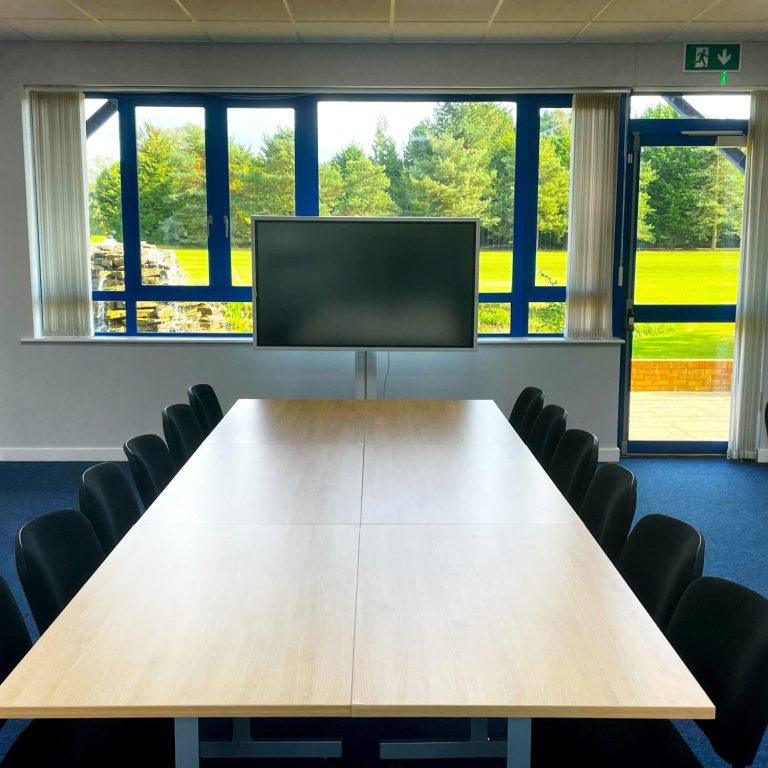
(174, 180)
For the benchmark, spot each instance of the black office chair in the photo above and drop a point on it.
(107, 500)
(609, 507)
(573, 464)
(151, 465)
(64, 743)
(55, 555)
(525, 410)
(546, 432)
(661, 558)
(720, 631)
(206, 406)
(182, 432)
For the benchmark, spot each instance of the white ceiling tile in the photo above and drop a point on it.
(339, 10)
(533, 31)
(343, 31)
(653, 10)
(39, 9)
(153, 31)
(736, 10)
(249, 31)
(627, 32)
(549, 10)
(62, 29)
(237, 10)
(717, 32)
(7, 33)
(444, 10)
(439, 31)
(138, 10)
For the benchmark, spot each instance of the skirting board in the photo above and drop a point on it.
(64, 453)
(116, 454)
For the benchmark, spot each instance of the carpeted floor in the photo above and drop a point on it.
(726, 501)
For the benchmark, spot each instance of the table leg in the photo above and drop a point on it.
(187, 742)
(519, 742)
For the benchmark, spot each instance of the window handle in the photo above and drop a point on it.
(210, 223)
(226, 226)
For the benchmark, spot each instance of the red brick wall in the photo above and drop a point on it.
(682, 375)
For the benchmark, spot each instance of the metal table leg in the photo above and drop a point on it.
(187, 742)
(519, 742)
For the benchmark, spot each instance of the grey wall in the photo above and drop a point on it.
(82, 400)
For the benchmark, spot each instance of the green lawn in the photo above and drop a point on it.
(663, 277)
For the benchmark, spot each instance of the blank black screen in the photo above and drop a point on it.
(365, 283)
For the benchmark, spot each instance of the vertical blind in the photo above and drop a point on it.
(58, 130)
(592, 217)
(752, 296)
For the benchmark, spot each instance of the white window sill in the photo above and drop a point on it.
(494, 342)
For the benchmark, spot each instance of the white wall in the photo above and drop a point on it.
(82, 400)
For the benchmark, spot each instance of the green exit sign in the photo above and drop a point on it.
(712, 57)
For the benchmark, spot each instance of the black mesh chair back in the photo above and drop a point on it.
(546, 432)
(525, 410)
(661, 558)
(107, 500)
(182, 432)
(151, 465)
(573, 464)
(206, 406)
(55, 555)
(609, 507)
(720, 631)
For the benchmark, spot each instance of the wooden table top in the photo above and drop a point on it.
(358, 558)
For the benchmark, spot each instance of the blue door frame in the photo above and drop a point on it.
(690, 132)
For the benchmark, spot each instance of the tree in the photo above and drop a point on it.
(358, 186)
(104, 203)
(153, 150)
(451, 179)
(554, 194)
(385, 154)
(645, 231)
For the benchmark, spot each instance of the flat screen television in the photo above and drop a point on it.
(365, 284)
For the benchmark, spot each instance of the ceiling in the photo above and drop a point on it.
(309, 21)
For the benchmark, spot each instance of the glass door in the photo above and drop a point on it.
(688, 187)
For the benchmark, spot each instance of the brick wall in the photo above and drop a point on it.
(682, 375)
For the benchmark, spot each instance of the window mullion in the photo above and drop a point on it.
(129, 186)
(526, 198)
(307, 164)
(217, 190)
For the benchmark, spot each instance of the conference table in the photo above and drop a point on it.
(356, 558)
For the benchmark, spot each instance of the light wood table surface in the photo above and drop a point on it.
(356, 558)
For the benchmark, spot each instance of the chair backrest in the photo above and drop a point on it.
(182, 432)
(573, 464)
(525, 410)
(107, 500)
(546, 432)
(151, 465)
(661, 558)
(14, 637)
(206, 406)
(720, 631)
(609, 507)
(55, 555)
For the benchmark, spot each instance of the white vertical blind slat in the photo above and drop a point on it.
(592, 215)
(752, 297)
(58, 127)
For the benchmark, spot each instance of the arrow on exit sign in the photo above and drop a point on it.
(712, 57)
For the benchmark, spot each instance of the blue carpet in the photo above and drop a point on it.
(726, 501)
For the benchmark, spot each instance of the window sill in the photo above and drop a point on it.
(494, 342)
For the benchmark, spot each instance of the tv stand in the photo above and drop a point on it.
(365, 376)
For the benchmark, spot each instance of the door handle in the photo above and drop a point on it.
(226, 226)
(209, 224)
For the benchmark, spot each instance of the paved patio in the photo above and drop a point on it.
(679, 415)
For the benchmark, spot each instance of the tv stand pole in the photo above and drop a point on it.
(365, 376)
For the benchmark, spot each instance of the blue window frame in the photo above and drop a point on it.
(520, 295)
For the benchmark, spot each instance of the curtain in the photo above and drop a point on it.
(752, 298)
(591, 224)
(58, 129)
